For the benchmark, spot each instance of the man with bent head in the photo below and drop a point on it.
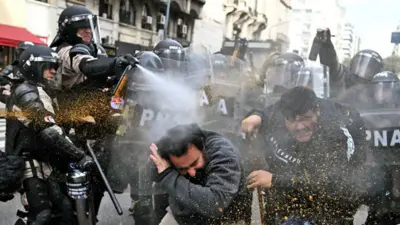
(202, 173)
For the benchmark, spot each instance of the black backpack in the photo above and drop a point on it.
(11, 173)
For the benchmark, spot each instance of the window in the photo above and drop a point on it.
(45, 1)
(147, 19)
(80, 2)
(7, 56)
(127, 13)
(182, 29)
(106, 9)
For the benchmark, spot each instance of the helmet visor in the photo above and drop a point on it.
(87, 28)
(48, 68)
(365, 65)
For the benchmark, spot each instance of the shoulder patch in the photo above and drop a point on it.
(49, 119)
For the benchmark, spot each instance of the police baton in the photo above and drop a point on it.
(106, 184)
(249, 138)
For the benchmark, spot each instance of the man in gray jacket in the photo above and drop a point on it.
(202, 173)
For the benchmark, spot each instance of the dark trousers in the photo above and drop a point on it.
(45, 197)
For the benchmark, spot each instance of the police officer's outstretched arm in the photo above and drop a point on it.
(81, 60)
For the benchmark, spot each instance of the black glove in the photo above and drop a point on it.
(5, 197)
(126, 60)
(86, 163)
(323, 46)
(323, 36)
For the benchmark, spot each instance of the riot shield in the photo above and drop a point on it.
(219, 99)
(156, 101)
(314, 75)
(383, 134)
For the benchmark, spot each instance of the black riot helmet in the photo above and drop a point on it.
(283, 70)
(22, 46)
(38, 65)
(77, 24)
(385, 86)
(365, 64)
(150, 61)
(170, 49)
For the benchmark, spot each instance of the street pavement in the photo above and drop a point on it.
(108, 215)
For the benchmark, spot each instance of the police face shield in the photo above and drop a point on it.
(87, 28)
(199, 66)
(385, 92)
(314, 76)
(303, 78)
(194, 71)
(172, 59)
(281, 74)
(48, 69)
(230, 71)
(365, 65)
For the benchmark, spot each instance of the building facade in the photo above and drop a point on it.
(279, 14)
(128, 25)
(350, 44)
(209, 30)
(134, 25)
(310, 15)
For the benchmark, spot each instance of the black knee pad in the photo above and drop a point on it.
(43, 217)
(37, 195)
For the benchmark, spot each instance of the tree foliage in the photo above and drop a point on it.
(392, 63)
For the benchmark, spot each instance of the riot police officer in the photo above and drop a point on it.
(36, 136)
(85, 72)
(363, 66)
(10, 69)
(78, 44)
(385, 88)
(10, 74)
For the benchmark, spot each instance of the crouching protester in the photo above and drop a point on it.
(202, 173)
(315, 151)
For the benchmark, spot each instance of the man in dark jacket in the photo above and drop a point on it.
(317, 149)
(202, 173)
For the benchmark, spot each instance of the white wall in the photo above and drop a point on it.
(209, 30)
(44, 22)
(321, 14)
(13, 12)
